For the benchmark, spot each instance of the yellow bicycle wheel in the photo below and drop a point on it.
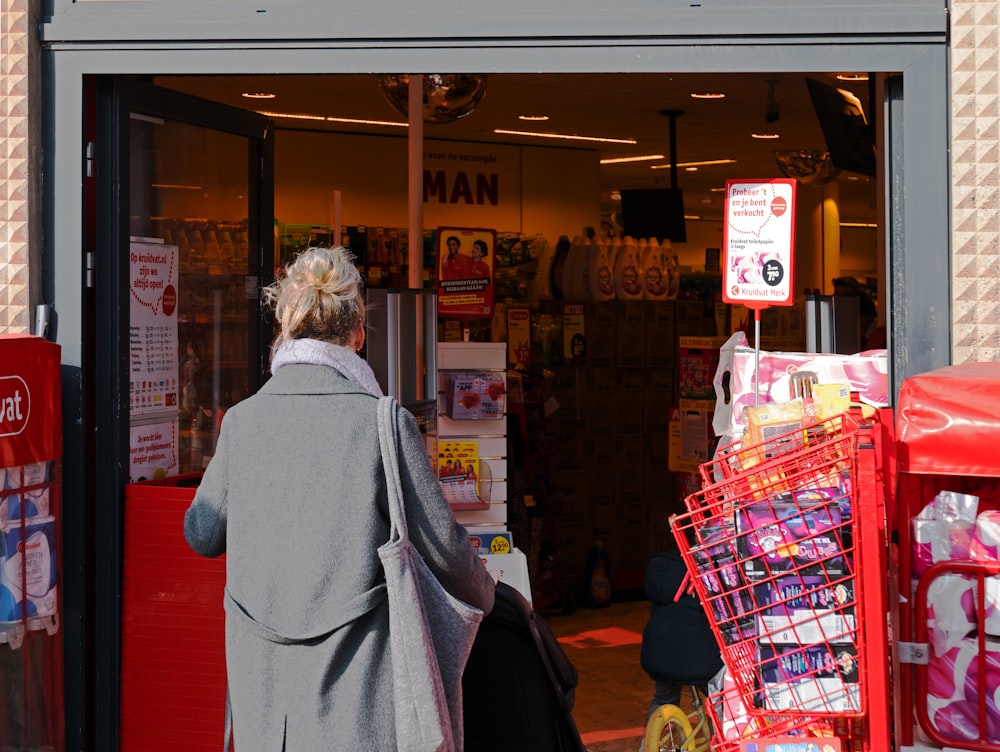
(668, 730)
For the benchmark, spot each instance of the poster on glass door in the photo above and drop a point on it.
(153, 452)
(153, 366)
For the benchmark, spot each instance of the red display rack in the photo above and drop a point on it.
(946, 436)
(774, 542)
(32, 708)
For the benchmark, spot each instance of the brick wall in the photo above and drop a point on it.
(975, 167)
(14, 173)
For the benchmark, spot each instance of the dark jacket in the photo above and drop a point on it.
(678, 645)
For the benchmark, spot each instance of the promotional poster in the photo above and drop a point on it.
(465, 272)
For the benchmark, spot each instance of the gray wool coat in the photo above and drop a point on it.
(295, 496)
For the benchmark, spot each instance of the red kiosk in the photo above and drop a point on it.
(948, 497)
(31, 656)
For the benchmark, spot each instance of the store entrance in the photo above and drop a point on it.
(182, 188)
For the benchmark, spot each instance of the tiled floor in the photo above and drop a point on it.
(614, 692)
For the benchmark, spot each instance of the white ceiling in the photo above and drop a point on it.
(615, 105)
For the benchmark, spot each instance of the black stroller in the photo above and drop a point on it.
(518, 687)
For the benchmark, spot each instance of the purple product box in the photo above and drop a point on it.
(774, 538)
(782, 664)
(806, 609)
(729, 596)
(813, 496)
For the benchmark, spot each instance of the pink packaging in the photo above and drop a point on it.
(954, 683)
(866, 373)
(985, 544)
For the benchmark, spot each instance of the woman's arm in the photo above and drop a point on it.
(205, 519)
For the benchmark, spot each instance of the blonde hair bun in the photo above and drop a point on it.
(319, 295)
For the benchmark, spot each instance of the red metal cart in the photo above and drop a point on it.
(947, 439)
(787, 547)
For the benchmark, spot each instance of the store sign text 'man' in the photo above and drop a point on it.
(460, 187)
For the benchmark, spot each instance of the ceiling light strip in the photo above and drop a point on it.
(622, 160)
(703, 163)
(328, 119)
(565, 136)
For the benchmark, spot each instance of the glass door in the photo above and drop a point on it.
(184, 243)
(195, 243)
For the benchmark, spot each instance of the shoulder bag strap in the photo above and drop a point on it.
(388, 439)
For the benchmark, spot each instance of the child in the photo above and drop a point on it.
(678, 646)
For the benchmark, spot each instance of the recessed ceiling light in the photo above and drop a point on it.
(643, 158)
(852, 76)
(708, 95)
(703, 163)
(536, 118)
(717, 190)
(566, 136)
(258, 95)
(765, 135)
(690, 169)
(706, 201)
(616, 196)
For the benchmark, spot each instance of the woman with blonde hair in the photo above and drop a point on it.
(296, 498)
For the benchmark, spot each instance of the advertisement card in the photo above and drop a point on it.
(758, 240)
(458, 466)
(153, 377)
(465, 272)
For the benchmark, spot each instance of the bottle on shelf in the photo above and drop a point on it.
(601, 276)
(653, 271)
(628, 271)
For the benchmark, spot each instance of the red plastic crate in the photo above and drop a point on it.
(173, 660)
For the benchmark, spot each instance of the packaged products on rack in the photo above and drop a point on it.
(24, 491)
(28, 569)
(777, 537)
(805, 609)
(727, 594)
(772, 538)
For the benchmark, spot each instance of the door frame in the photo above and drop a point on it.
(917, 176)
(107, 368)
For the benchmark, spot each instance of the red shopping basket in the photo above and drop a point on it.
(770, 547)
(731, 725)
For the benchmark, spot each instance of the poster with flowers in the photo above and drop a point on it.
(758, 239)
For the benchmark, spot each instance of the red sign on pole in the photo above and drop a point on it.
(758, 242)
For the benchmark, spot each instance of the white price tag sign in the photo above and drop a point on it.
(759, 242)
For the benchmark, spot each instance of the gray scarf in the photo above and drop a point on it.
(318, 353)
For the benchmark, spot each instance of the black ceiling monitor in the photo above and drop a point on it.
(654, 213)
(845, 129)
